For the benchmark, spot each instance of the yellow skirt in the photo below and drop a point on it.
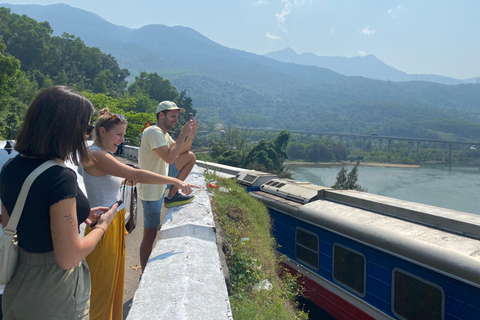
(107, 271)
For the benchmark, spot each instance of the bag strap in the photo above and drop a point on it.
(22, 197)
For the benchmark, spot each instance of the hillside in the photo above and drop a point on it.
(368, 66)
(236, 87)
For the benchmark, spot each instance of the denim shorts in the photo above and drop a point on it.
(172, 172)
(151, 213)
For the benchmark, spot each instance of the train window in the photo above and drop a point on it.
(349, 268)
(416, 299)
(306, 247)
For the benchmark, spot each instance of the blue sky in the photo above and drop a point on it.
(425, 37)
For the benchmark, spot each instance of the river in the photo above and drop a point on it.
(451, 187)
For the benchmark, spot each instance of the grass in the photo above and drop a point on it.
(250, 256)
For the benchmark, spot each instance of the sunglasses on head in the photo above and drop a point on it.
(115, 116)
(89, 129)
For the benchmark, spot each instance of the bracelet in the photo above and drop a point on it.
(98, 227)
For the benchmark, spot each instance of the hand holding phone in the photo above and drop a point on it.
(119, 202)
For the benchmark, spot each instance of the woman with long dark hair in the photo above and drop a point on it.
(51, 279)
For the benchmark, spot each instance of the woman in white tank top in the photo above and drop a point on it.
(102, 179)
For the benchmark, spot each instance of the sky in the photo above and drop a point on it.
(423, 37)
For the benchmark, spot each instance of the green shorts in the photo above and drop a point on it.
(40, 289)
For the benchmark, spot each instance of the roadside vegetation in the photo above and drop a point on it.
(260, 288)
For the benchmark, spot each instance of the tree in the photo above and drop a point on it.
(185, 102)
(269, 156)
(348, 181)
(102, 81)
(154, 86)
(10, 75)
(136, 120)
(10, 70)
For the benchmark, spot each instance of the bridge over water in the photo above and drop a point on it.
(390, 140)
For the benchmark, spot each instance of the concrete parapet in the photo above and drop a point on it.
(184, 278)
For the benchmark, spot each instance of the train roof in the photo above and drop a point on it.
(441, 239)
(426, 235)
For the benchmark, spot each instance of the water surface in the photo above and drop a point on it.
(450, 187)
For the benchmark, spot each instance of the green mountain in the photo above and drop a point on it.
(237, 87)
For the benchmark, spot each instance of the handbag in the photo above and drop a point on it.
(8, 241)
(131, 201)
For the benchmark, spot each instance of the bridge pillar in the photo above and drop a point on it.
(390, 145)
(443, 152)
(353, 143)
(410, 143)
(450, 154)
(380, 144)
(418, 148)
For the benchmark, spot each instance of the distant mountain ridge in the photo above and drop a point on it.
(237, 87)
(368, 66)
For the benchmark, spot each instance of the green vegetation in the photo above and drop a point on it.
(233, 150)
(236, 147)
(251, 257)
(31, 59)
(348, 181)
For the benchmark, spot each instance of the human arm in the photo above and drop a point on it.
(5, 217)
(169, 153)
(68, 248)
(105, 163)
(189, 139)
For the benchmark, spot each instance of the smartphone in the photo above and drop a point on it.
(120, 202)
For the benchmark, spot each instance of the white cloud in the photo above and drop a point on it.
(362, 53)
(393, 12)
(287, 9)
(271, 36)
(260, 2)
(332, 31)
(366, 31)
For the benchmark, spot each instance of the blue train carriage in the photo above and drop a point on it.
(363, 256)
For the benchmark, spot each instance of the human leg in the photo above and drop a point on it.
(151, 224)
(184, 165)
(146, 246)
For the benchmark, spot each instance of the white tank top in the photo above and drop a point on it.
(104, 190)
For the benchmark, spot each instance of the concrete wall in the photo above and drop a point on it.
(184, 278)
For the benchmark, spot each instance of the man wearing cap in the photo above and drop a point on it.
(159, 153)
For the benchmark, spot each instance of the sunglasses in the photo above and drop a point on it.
(115, 116)
(89, 129)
